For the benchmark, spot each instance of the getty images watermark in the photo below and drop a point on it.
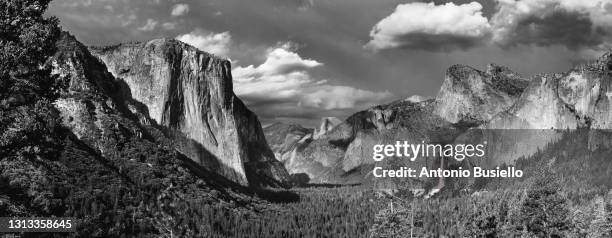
(459, 152)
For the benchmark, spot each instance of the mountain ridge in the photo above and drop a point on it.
(471, 102)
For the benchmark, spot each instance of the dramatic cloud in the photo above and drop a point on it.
(575, 24)
(149, 25)
(429, 26)
(334, 32)
(285, 81)
(180, 9)
(215, 43)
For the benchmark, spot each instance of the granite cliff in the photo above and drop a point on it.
(471, 96)
(326, 125)
(166, 84)
(578, 99)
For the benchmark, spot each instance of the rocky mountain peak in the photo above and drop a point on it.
(493, 69)
(579, 98)
(472, 96)
(327, 124)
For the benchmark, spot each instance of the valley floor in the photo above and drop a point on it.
(318, 212)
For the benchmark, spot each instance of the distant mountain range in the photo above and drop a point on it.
(517, 116)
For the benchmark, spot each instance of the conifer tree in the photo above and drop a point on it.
(544, 211)
(27, 118)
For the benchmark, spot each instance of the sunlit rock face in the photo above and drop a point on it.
(285, 139)
(88, 106)
(327, 124)
(579, 98)
(552, 103)
(471, 96)
(586, 91)
(177, 87)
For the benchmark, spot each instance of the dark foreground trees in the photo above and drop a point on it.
(28, 122)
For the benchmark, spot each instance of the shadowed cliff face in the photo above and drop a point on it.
(188, 92)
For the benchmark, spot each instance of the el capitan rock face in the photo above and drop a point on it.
(185, 91)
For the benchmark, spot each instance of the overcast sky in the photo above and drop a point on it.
(300, 60)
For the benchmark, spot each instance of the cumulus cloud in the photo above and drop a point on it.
(429, 26)
(285, 81)
(179, 9)
(149, 25)
(575, 24)
(169, 25)
(215, 43)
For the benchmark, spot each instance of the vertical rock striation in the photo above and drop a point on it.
(327, 124)
(472, 97)
(580, 98)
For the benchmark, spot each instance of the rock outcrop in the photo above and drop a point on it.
(183, 91)
(552, 103)
(327, 124)
(579, 98)
(472, 97)
(90, 105)
(286, 139)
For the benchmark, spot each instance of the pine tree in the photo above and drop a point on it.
(544, 211)
(27, 39)
(27, 118)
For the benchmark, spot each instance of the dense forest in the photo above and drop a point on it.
(566, 192)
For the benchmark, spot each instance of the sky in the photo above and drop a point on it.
(300, 60)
